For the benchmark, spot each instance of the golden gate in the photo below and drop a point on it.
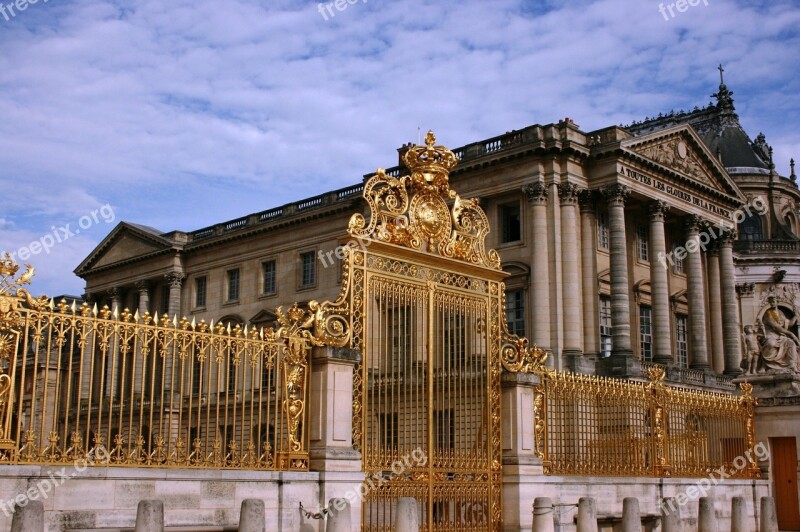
(423, 300)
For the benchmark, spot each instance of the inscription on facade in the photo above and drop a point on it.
(659, 185)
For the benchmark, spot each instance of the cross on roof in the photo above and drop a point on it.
(721, 70)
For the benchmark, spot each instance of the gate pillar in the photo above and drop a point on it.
(521, 466)
(331, 428)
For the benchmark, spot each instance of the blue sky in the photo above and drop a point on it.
(182, 114)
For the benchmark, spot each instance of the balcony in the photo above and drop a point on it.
(780, 247)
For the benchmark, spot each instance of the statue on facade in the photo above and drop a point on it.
(752, 350)
(779, 348)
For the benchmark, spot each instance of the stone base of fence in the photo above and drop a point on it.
(519, 492)
(107, 497)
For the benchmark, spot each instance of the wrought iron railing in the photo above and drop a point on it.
(587, 425)
(143, 391)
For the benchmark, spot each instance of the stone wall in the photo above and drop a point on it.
(106, 497)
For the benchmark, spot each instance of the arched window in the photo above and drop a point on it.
(750, 228)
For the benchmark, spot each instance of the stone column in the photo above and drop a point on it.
(138, 372)
(591, 303)
(111, 383)
(620, 301)
(143, 287)
(554, 254)
(116, 299)
(731, 328)
(540, 267)
(330, 412)
(175, 280)
(570, 281)
(715, 308)
(659, 285)
(696, 294)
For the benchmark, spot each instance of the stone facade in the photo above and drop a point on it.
(621, 245)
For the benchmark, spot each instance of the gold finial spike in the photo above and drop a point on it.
(95, 310)
(430, 139)
(194, 323)
(116, 312)
(73, 307)
(155, 318)
(136, 315)
(175, 320)
(51, 304)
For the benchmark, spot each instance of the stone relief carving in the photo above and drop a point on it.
(772, 346)
(677, 154)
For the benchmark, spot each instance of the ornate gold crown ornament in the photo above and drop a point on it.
(12, 292)
(413, 211)
(430, 165)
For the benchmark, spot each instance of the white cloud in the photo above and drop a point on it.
(157, 107)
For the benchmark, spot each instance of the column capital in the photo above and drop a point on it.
(726, 238)
(616, 194)
(142, 285)
(568, 192)
(694, 222)
(175, 279)
(89, 298)
(657, 210)
(745, 289)
(587, 199)
(536, 193)
(114, 292)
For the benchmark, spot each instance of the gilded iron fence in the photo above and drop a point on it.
(587, 425)
(134, 390)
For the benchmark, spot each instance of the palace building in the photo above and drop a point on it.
(562, 201)
(671, 242)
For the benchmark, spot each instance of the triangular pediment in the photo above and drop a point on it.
(680, 150)
(264, 318)
(124, 243)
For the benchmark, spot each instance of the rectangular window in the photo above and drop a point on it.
(455, 338)
(233, 285)
(677, 263)
(233, 368)
(165, 300)
(642, 241)
(605, 326)
(387, 427)
(197, 375)
(268, 277)
(510, 223)
(646, 333)
(200, 292)
(308, 269)
(682, 346)
(602, 230)
(445, 429)
(400, 319)
(515, 312)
